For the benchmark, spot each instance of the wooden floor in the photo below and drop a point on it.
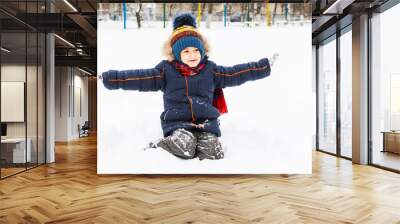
(70, 191)
(10, 171)
(388, 159)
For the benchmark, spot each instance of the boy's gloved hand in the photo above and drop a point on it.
(110, 75)
(274, 58)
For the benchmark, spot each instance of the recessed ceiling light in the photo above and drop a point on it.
(70, 5)
(5, 49)
(64, 40)
(337, 7)
(84, 71)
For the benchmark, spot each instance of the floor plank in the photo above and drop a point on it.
(70, 191)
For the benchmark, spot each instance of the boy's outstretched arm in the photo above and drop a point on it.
(137, 79)
(241, 73)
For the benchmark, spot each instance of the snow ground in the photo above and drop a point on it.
(270, 122)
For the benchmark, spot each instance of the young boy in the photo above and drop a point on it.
(192, 87)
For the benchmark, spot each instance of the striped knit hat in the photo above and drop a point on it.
(185, 35)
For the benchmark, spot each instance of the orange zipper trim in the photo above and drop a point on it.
(240, 72)
(138, 78)
(190, 99)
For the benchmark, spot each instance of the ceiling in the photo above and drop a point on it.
(75, 21)
(331, 16)
(77, 25)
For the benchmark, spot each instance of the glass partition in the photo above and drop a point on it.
(22, 77)
(327, 96)
(346, 94)
(385, 89)
(13, 108)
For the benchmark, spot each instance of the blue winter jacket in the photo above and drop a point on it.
(187, 99)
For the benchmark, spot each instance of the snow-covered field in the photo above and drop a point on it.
(270, 122)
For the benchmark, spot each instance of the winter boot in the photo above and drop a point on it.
(208, 146)
(181, 143)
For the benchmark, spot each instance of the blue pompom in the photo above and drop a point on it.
(183, 19)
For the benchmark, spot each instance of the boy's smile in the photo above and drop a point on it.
(191, 56)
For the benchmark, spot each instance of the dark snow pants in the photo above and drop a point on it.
(187, 145)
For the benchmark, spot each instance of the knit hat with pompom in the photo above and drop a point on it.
(185, 35)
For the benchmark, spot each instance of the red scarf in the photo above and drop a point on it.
(219, 99)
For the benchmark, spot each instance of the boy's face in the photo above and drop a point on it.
(191, 56)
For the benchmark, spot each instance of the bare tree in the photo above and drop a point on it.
(258, 8)
(252, 10)
(194, 7)
(171, 6)
(273, 15)
(203, 6)
(242, 11)
(138, 15)
(210, 8)
(209, 14)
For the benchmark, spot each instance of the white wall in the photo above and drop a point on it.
(16, 73)
(34, 124)
(70, 84)
(80, 103)
(61, 103)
